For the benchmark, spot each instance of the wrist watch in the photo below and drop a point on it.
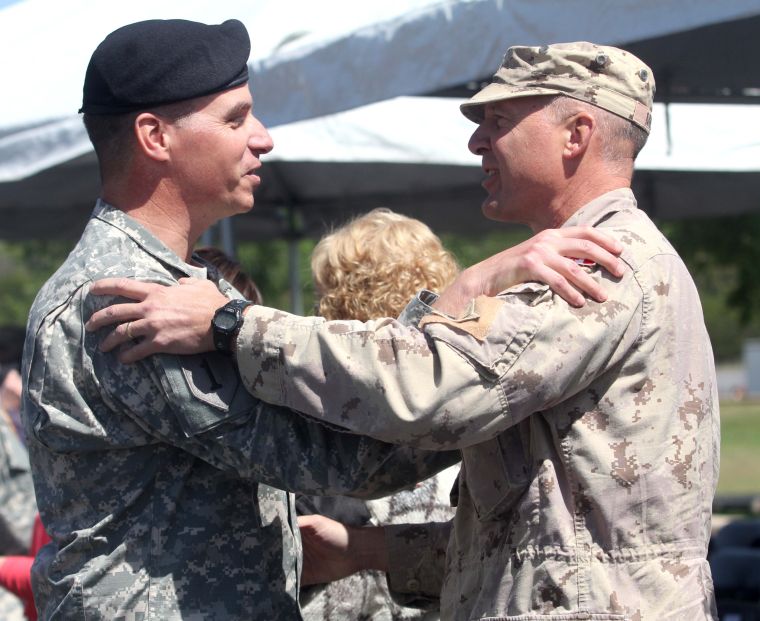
(226, 324)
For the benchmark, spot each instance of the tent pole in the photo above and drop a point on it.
(221, 235)
(294, 264)
(227, 239)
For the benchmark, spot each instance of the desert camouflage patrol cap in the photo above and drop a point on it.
(604, 76)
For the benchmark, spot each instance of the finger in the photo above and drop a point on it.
(605, 240)
(123, 333)
(115, 313)
(581, 280)
(138, 351)
(124, 287)
(307, 520)
(587, 249)
(562, 287)
(189, 280)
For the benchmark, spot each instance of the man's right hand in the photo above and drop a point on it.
(548, 257)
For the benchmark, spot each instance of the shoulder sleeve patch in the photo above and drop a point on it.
(205, 391)
(476, 321)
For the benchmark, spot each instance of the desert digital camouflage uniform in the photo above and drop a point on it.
(17, 508)
(161, 482)
(590, 436)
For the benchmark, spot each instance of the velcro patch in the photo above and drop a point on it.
(476, 321)
(205, 391)
(211, 378)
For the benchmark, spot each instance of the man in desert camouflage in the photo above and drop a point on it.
(589, 434)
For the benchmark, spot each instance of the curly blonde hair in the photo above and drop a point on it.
(372, 266)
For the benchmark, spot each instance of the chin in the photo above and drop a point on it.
(242, 206)
(492, 210)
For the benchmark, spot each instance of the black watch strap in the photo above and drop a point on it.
(226, 324)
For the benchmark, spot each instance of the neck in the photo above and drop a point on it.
(162, 212)
(576, 197)
(590, 179)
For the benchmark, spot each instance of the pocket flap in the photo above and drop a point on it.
(494, 330)
(206, 390)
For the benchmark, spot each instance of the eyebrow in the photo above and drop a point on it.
(241, 108)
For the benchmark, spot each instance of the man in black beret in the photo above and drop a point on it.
(161, 483)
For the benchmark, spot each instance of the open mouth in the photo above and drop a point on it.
(491, 177)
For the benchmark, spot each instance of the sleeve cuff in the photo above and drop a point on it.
(418, 307)
(416, 561)
(257, 352)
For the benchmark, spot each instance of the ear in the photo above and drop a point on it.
(152, 137)
(578, 131)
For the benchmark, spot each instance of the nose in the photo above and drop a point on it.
(478, 142)
(259, 140)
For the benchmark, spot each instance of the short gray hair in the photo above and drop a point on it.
(615, 130)
(112, 135)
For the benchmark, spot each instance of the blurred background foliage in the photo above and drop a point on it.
(723, 255)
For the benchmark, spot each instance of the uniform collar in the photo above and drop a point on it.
(145, 239)
(598, 209)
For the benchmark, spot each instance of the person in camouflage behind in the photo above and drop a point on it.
(18, 507)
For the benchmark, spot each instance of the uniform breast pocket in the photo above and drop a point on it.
(497, 473)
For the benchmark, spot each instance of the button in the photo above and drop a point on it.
(413, 585)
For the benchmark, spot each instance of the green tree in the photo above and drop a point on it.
(24, 267)
(721, 254)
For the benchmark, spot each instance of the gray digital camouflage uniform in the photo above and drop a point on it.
(17, 508)
(590, 436)
(160, 482)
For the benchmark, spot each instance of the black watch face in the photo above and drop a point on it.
(225, 321)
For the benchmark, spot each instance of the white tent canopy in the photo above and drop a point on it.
(410, 153)
(311, 59)
(46, 45)
(438, 45)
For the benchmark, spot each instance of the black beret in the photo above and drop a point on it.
(156, 62)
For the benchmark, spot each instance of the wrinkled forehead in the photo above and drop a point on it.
(518, 107)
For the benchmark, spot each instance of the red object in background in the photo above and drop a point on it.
(15, 572)
(39, 537)
(584, 262)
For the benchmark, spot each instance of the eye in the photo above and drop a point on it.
(502, 121)
(237, 117)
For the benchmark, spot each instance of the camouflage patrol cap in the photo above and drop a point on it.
(604, 76)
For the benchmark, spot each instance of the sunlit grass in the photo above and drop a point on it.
(740, 448)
